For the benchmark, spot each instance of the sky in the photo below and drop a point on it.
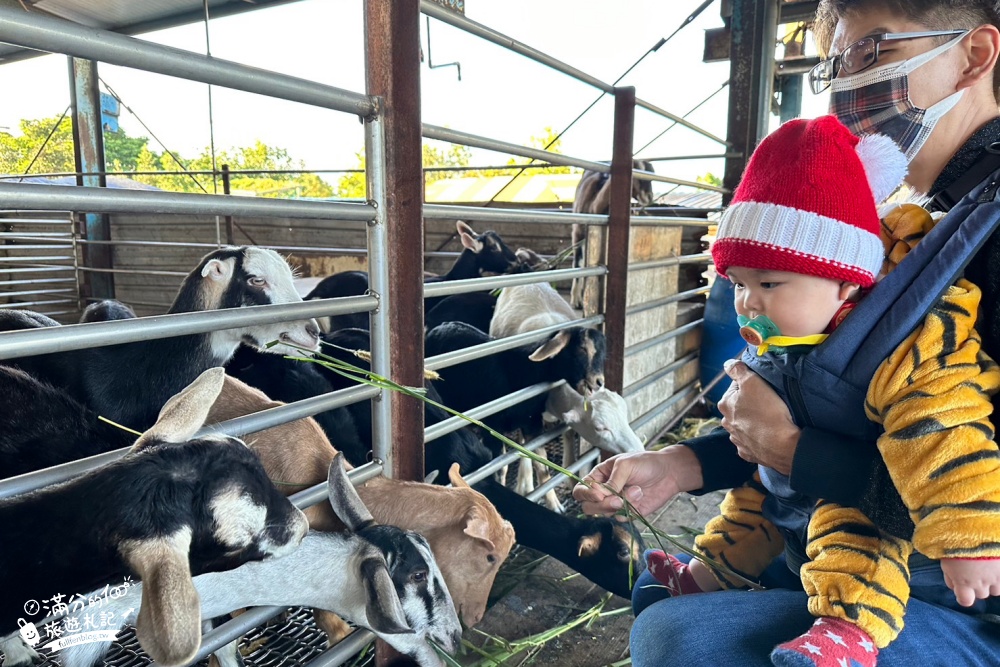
(501, 95)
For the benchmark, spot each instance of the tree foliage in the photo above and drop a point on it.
(439, 154)
(126, 153)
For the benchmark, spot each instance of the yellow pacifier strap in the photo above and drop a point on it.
(789, 341)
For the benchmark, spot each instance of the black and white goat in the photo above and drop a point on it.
(481, 254)
(593, 195)
(574, 355)
(128, 383)
(173, 507)
(378, 577)
(526, 308)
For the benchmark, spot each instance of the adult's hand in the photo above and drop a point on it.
(647, 479)
(758, 421)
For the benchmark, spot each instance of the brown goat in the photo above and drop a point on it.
(468, 536)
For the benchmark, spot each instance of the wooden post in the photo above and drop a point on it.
(616, 255)
(392, 66)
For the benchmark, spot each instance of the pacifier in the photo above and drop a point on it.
(758, 329)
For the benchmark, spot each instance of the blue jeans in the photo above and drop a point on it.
(741, 628)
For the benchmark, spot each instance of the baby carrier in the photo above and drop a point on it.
(825, 386)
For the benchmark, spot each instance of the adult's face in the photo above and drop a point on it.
(929, 83)
(969, 65)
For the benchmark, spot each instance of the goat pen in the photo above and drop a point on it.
(648, 360)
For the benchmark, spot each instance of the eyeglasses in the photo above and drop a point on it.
(861, 55)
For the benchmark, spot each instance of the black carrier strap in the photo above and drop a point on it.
(899, 303)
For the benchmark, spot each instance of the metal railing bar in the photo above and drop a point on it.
(680, 121)
(489, 34)
(14, 344)
(34, 221)
(60, 258)
(37, 281)
(30, 481)
(37, 291)
(711, 156)
(102, 200)
(307, 407)
(559, 478)
(345, 648)
(33, 304)
(480, 214)
(277, 248)
(135, 272)
(476, 141)
(650, 176)
(17, 236)
(497, 345)
(38, 269)
(700, 258)
(319, 492)
(235, 628)
(662, 338)
(49, 246)
(661, 220)
(449, 287)
(513, 455)
(680, 296)
(649, 416)
(452, 424)
(660, 374)
(43, 33)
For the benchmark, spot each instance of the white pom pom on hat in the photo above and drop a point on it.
(885, 165)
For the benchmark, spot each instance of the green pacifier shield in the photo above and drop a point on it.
(755, 331)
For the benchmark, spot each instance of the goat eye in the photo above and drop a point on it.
(256, 281)
(419, 577)
(490, 558)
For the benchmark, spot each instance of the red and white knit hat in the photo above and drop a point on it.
(807, 203)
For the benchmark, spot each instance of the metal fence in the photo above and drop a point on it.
(392, 218)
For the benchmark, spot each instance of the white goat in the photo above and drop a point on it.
(378, 577)
(600, 420)
(528, 308)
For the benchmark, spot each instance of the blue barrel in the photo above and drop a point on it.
(720, 338)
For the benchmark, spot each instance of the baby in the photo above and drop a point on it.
(801, 243)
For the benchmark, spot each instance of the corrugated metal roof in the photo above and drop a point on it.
(130, 17)
(528, 189)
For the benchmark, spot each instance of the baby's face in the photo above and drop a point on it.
(800, 305)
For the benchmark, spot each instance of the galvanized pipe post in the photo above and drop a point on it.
(751, 79)
(227, 190)
(616, 257)
(392, 72)
(88, 151)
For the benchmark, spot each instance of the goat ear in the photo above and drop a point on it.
(471, 242)
(478, 526)
(463, 227)
(169, 620)
(589, 545)
(217, 269)
(551, 347)
(185, 412)
(344, 497)
(431, 476)
(455, 476)
(382, 605)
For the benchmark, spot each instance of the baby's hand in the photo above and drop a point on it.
(972, 578)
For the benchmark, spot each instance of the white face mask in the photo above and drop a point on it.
(877, 101)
